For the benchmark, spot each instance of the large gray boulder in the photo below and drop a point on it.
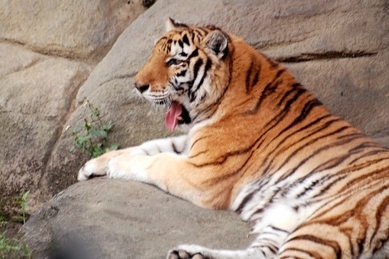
(337, 49)
(47, 51)
(73, 29)
(101, 223)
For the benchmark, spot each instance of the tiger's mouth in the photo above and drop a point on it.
(176, 114)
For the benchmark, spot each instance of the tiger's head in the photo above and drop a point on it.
(188, 71)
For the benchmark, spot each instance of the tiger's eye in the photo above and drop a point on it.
(174, 62)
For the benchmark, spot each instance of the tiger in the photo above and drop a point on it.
(256, 142)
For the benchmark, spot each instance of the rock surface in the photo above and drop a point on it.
(36, 95)
(337, 49)
(47, 51)
(146, 224)
(72, 29)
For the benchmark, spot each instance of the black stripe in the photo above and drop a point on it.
(329, 180)
(315, 239)
(308, 107)
(279, 229)
(208, 66)
(302, 162)
(379, 215)
(194, 53)
(181, 44)
(311, 255)
(197, 140)
(182, 73)
(267, 91)
(249, 196)
(279, 117)
(224, 176)
(286, 94)
(252, 75)
(201, 31)
(256, 77)
(248, 74)
(196, 69)
(185, 39)
(370, 153)
(279, 145)
(370, 174)
(328, 165)
(327, 183)
(320, 129)
(144, 150)
(214, 105)
(273, 249)
(175, 148)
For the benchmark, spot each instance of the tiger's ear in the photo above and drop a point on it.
(217, 42)
(172, 24)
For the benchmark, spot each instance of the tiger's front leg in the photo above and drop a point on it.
(100, 166)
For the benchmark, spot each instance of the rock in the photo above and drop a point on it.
(337, 49)
(36, 95)
(47, 51)
(72, 29)
(122, 219)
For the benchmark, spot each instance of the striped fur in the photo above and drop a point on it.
(258, 143)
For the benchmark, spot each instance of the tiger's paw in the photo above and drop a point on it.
(187, 252)
(182, 254)
(91, 169)
(96, 167)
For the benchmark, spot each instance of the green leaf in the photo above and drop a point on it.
(98, 133)
(24, 197)
(113, 146)
(95, 112)
(109, 126)
(81, 141)
(97, 150)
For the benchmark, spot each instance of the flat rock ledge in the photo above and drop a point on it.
(135, 220)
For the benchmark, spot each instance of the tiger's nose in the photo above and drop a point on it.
(141, 87)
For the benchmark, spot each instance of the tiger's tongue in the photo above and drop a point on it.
(174, 111)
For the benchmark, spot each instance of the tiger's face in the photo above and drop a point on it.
(186, 72)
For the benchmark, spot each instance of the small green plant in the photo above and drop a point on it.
(2, 221)
(15, 247)
(7, 245)
(93, 134)
(22, 201)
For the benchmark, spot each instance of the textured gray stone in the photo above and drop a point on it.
(73, 29)
(47, 51)
(122, 219)
(36, 95)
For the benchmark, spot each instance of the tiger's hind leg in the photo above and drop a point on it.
(264, 247)
(352, 226)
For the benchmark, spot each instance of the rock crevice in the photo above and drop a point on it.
(309, 56)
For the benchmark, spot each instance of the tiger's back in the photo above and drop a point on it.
(285, 147)
(258, 143)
